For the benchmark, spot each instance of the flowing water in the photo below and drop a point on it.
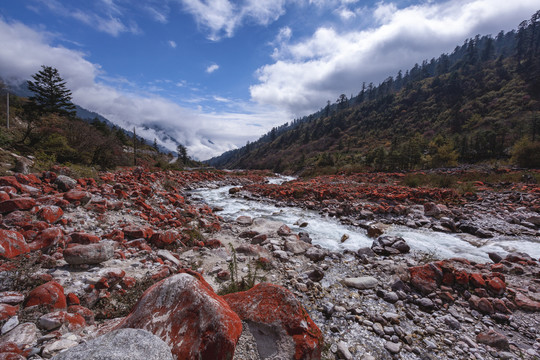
(328, 232)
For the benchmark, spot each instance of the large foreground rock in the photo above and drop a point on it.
(280, 325)
(184, 311)
(12, 244)
(123, 344)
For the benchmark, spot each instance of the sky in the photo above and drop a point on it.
(214, 74)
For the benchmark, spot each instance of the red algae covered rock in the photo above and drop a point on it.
(12, 244)
(184, 311)
(50, 213)
(17, 204)
(50, 294)
(425, 278)
(277, 320)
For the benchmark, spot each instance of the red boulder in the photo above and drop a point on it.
(50, 294)
(83, 238)
(425, 278)
(275, 316)
(12, 244)
(50, 213)
(184, 311)
(17, 204)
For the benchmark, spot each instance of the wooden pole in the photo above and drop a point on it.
(7, 110)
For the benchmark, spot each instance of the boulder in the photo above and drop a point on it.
(23, 335)
(184, 311)
(65, 183)
(50, 294)
(280, 325)
(56, 319)
(89, 254)
(425, 278)
(17, 204)
(296, 246)
(77, 196)
(136, 232)
(390, 245)
(244, 220)
(494, 339)
(162, 239)
(12, 244)
(47, 239)
(123, 344)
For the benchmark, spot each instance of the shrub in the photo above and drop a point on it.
(526, 153)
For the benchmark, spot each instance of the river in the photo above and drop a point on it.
(328, 232)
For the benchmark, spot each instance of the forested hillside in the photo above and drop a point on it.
(479, 103)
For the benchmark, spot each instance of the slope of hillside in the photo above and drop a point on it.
(470, 106)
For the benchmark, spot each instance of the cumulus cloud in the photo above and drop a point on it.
(172, 44)
(220, 18)
(210, 69)
(24, 50)
(307, 73)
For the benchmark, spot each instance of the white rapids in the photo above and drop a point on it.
(328, 232)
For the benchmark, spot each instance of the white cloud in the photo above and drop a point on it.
(109, 21)
(307, 73)
(24, 50)
(212, 68)
(222, 17)
(172, 44)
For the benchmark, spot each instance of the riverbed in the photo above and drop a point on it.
(328, 232)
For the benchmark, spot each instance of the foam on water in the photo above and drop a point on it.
(328, 232)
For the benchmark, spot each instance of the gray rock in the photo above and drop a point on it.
(315, 254)
(23, 335)
(89, 254)
(65, 183)
(343, 351)
(391, 297)
(244, 220)
(166, 255)
(425, 303)
(296, 247)
(316, 275)
(392, 347)
(496, 258)
(123, 344)
(361, 283)
(452, 322)
(10, 324)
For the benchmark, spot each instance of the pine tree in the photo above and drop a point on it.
(50, 92)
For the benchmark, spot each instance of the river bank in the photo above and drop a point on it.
(101, 244)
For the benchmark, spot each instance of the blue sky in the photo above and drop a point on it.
(214, 74)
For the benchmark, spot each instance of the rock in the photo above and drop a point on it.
(315, 254)
(244, 220)
(83, 238)
(535, 219)
(65, 183)
(376, 230)
(316, 275)
(137, 232)
(425, 278)
(284, 230)
(258, 239)
(12, 244)
(55, 347)
(88, 254)
(163, 239)
(361, 283)
(296, 247)
(50, 213)
(167, 255)
(452, 322)
(77, 196)
(494, 339)
(303, 236)
(24, 335)
(432, 209)
(496, 286)
(392, 347)
(343, 351)
(389, 245)
(50, 294)
(47, 239)
(17, 204)
(122, 344)
(496, 258)
(280, 325)
(184, 311)
(425, 303)
(523, 302)
(12, 323)
(56, 319)
(11, 297)
(390, 297)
